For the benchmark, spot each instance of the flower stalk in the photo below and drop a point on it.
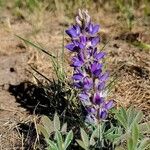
(88, 75)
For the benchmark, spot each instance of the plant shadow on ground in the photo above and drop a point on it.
(39, 100)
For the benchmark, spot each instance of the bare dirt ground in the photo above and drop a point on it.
(130, 64)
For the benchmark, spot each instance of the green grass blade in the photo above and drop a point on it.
(41, 74)
(34, 45)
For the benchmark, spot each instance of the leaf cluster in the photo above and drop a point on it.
(56, 137)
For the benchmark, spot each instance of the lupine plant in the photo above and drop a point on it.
(88, 75)
(121, 130)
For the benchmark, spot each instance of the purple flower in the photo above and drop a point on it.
(91, 119)
(102, 114)
(83, 41)
(97, 99)
(109, 104)
(94, 41)
(72, 47)
(78, 76)
(77, 61)
(87, 83)
(83, 96)
(74, 31)
(91, 110)
(104, 77)
(96, 68)
(92, 29)
(88, 76)
(101, 86)
(78, 84)
(99, 55)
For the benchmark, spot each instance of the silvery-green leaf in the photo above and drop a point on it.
(112, 136)
(68, 139)
(93, 136)
(130, 144)
(82, 144)
(145, 127)
(111, 130)
(47, 123)
(131, 115)
(64, 128)
(52, 145)
(145, 144)
(138, 117)
(120, 148)
(135, 134)
(85, 138)
(41, 129)
(56, 122)
(59, 140)
(122, 138)
(122, 117)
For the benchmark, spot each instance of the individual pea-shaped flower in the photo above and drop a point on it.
(106, 107)
(74, 31)
(92, 29)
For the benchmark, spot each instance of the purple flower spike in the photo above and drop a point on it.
(89, 79)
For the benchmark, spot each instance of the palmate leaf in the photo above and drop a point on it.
(112, 136)
(68, 139)
(131, 115)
